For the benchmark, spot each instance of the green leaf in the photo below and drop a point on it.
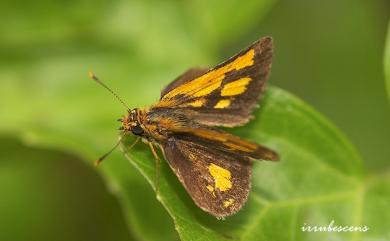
(387, 61)
(320, 178)
(46, 100)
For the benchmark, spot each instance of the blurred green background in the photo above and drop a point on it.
(329, 53)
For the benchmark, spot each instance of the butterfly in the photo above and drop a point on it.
(213, 165)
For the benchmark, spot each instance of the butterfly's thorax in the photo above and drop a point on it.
(160, 124)
(154, 124)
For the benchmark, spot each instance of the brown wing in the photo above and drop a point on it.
(224, 95)
(217, 181)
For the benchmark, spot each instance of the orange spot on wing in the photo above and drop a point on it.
(238, 147)
(222, 104)
(228, 202)
(211, 135)
(228, 140)
(236, 87)
(210, 88)
(196, 103)
(222, 177)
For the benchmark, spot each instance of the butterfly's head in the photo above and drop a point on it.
(131, 123)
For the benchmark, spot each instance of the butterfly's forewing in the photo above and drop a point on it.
(226, 94)
(178, 124)
(217, 181)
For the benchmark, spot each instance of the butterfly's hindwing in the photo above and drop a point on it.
(217, 181)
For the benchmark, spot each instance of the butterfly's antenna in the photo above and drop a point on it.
(98, 161)
(95, 78)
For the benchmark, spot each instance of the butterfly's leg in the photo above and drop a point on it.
(133, 144)
(98, 161)
(127, 149)
(158, 164)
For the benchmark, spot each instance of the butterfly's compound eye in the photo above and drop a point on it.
(137, 130)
